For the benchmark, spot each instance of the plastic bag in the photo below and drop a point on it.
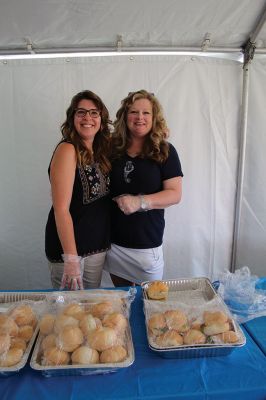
(243, 293)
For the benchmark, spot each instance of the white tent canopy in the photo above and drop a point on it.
(214, 108)
(90, 24)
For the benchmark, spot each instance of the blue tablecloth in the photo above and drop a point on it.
(240, 375)
(257, 329)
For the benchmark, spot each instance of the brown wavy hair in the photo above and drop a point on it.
(101, 142)
(155, 146)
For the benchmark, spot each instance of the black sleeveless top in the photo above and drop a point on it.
(90, 211)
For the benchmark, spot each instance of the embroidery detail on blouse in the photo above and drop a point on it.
(128, 168)
(95, 184)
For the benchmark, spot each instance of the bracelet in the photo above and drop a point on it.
(144, 205)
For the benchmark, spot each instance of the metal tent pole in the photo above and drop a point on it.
(249, 51)
(241, 167)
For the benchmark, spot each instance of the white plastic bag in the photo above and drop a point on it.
(239, 291)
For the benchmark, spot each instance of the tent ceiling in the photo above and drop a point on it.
(89, 24)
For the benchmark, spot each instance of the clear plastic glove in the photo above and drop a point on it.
(128, 203)
(72, 276)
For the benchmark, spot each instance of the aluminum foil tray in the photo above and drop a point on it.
(80, 370)
(120, 298)
(190, 294)
(8, 299)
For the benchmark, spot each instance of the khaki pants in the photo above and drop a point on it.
(92, 275)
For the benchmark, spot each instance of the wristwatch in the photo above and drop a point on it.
(144, 205)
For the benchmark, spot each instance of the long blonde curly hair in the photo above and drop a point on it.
(101, 142)
(155, 146)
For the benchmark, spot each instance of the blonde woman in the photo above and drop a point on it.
(146, 178)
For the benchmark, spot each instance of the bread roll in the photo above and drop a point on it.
(63, 320)
(74, 310)
(47, 324)
(157, 290)
(214, 329)
(69, 338)
(101, 339)
(48, 341)
(194, 336)
(228, 337)
(88, 323)
(85, 355)
(99, 310)
(170, 338)
(18, 343)
(117, 321)
(5, 342)
(12, 357)
(55, 356)
(176, 319)
(157, 324)
(214, 317)
(25, 332)
(114, 354)
(23, 315)
(8, 325)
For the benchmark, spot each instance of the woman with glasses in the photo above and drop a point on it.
(77, 230)
(146, 178)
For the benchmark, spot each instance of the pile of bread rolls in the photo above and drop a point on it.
(173, 328)
(17, 326)
(83, 334)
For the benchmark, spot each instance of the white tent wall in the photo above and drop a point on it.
(251, 246)
(201, 98)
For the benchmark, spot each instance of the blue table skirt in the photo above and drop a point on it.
(240, 375)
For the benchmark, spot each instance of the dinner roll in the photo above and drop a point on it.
(12, 357)
(88, 323)
(74, 310)
(214, 329)
(63, 320)
(8, 325)
(47, 324)
(48, 341)
(117, 321)
(25, 332)
(113, 355)
(85, 355)
(5, 342)
(157, 324)
(194, 336)
(69, 338)
(55, 356)
(228, 337)
(157, 290)
(23, 315)
(176, 319)
(99, 310)
(170, 338)
(214, 317)
(101, 339)
(18, 343)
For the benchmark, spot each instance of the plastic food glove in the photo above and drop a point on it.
(72, 276)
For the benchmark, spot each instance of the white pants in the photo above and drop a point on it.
(135, 265)
(92, 275)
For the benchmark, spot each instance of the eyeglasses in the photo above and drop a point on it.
(82, 112)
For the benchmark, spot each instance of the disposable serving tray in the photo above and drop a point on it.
(87, 369)
(186, 293)
(8, 299)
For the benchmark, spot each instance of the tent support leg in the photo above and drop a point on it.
(241, 167)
